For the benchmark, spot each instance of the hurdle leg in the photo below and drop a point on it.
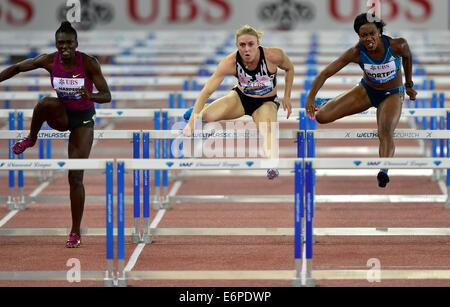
(109, 273)
(157, 198)
(121, 279)
(21, 204)
(434, 143)
(447, 203)
(165, 173)
(311, 153)
(50, 174)
(146, 237)
(309, 183)
(299, 214)
(136, 235)
(11, 202)
(44, 175)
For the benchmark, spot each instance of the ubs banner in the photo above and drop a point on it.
(150, 15)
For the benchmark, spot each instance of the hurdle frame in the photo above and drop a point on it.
(312, 135)
(67, 164)
(303, 193)
(20, 201)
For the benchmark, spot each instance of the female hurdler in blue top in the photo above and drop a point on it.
(380, 57)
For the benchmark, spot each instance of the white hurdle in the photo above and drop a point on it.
(354, 134)
(19, 200)
(165, 95)
(104, 165)
(311, 164)
(303, 201)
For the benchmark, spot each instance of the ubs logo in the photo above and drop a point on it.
(93, 13)
(287, 13)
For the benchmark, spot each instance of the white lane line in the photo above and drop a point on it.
(137, 251)
(39, 189)
(134, 257)
(11, 214)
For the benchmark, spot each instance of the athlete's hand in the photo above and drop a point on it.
(188, 130)
(287, 106)
(84, 93)
(311, 107)
(411, 93)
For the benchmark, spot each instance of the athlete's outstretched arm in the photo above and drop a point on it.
(225, 67)
(41, 61)
(351, 55)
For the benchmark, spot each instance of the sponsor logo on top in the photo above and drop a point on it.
(397, 134)
(400, 164)
(212, 164)
(37, 164)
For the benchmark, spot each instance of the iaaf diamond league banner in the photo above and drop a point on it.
(148, 15)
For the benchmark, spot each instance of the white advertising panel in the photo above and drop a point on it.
(147, 15)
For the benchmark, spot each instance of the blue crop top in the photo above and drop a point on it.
(380, 71)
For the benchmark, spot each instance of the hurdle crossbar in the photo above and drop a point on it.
(179, 112)
(242, 231)
(373, 134)
(54, 164)
(341, 198)
(215, 134)
(287, 275)
(64, 135)
(180, 164)
(141, 275)
(92, 231)
(287, 163)
(49, 275)
(163, 95)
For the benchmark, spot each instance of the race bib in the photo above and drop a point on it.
(258, 87)
(381, 73)
(67, 88)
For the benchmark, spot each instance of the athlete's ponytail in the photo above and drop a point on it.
(66, 27)
(364, 18)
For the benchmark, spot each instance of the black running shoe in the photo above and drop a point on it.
(383, 179)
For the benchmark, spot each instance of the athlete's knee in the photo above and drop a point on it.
(75, 178)
(46, 102)
(42, 104)
(386, 130)
(323, 118)
(206, 117)
(46, 105)
(386, 136)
